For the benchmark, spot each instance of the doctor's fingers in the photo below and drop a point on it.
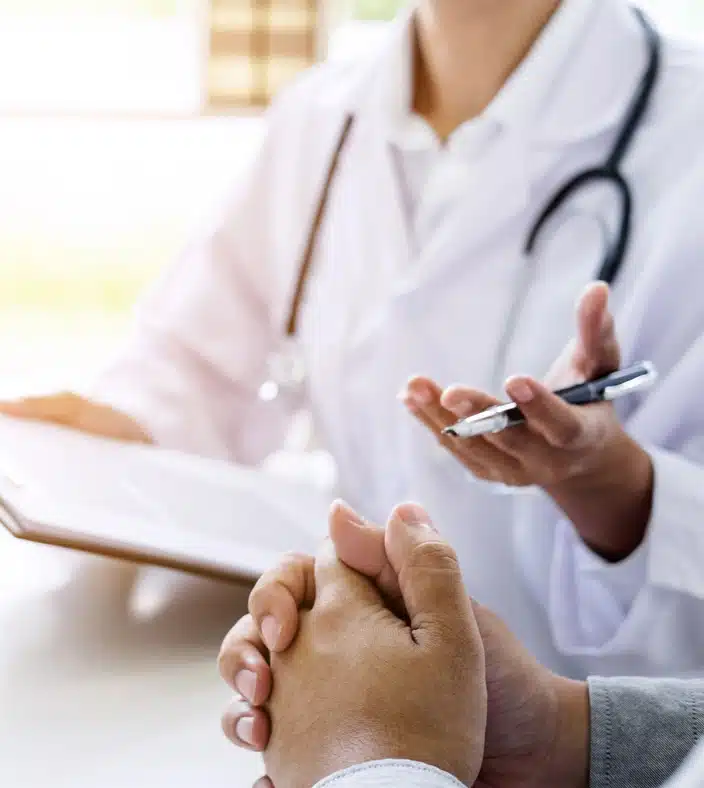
(488, 462)
(243, 662)
(73, 410)
(463, 401)
(422, 397)
(482, 457)
(246, 726)
(437, 409)
(475, 454)
(539, 462)
(548, 416)
(277, 597)
(597, 351)
(62, 407)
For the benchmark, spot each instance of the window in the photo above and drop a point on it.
(97, 56)
(107, 162)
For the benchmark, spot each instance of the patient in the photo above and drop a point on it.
(383, 673)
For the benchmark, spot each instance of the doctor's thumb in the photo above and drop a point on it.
(430, 580)
(598, 350)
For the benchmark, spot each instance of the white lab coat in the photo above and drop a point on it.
(374, 315)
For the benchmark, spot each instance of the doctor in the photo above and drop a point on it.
(391, 225)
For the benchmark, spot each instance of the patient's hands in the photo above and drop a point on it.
(537, 727)
(358, 683)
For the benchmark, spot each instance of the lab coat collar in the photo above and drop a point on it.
(575, 83)
(520, 99)
(529, 89)
(603, 72)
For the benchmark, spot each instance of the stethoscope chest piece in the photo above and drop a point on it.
(286, 372)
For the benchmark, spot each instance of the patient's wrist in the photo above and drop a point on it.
(569, 763)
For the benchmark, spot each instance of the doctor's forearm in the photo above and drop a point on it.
(610, 506)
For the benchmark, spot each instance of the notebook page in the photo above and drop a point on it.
(156, 502)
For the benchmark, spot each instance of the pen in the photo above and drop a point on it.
(607, 388)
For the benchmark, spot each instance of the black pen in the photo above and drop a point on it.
(610, 387)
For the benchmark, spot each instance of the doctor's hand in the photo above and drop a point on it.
(359, 683)
(537, 723)
(580, 455)
(72, 410)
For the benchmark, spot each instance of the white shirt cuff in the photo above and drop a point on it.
(590, 599)
(676, 527)
(391, 774)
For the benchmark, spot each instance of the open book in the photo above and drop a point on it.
(152, 506)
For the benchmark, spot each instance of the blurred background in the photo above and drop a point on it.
(121, 124)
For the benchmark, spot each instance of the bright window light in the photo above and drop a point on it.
(101, 56)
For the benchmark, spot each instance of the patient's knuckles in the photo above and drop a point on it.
(433, 556)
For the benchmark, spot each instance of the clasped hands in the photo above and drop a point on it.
(373, 651)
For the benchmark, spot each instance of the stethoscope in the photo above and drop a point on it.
(286, 367)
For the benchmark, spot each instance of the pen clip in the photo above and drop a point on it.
(644, 381)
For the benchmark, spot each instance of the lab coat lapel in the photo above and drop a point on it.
(495, 194)
(592, 93)
(509, 186)
(378, 237)
(387, 215)
(371, 221)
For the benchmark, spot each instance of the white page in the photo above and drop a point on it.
(156, 501)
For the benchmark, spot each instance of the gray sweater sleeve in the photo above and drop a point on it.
(642, 730)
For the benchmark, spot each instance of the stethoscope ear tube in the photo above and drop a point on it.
(609, 172)
(613, 259)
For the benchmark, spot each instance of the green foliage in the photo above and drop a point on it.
(375, 10)
(36, 273)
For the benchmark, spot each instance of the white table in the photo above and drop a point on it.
(91, 697)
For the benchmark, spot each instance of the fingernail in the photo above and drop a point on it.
(413, 515)
(270, 632)
(519, 391)
(246, 683)
(245, 730)
(349, 512)
(420, 394)
(461, 408)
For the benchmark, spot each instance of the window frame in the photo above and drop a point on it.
(334, 15)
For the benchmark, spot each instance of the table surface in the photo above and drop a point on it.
(90, 695)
